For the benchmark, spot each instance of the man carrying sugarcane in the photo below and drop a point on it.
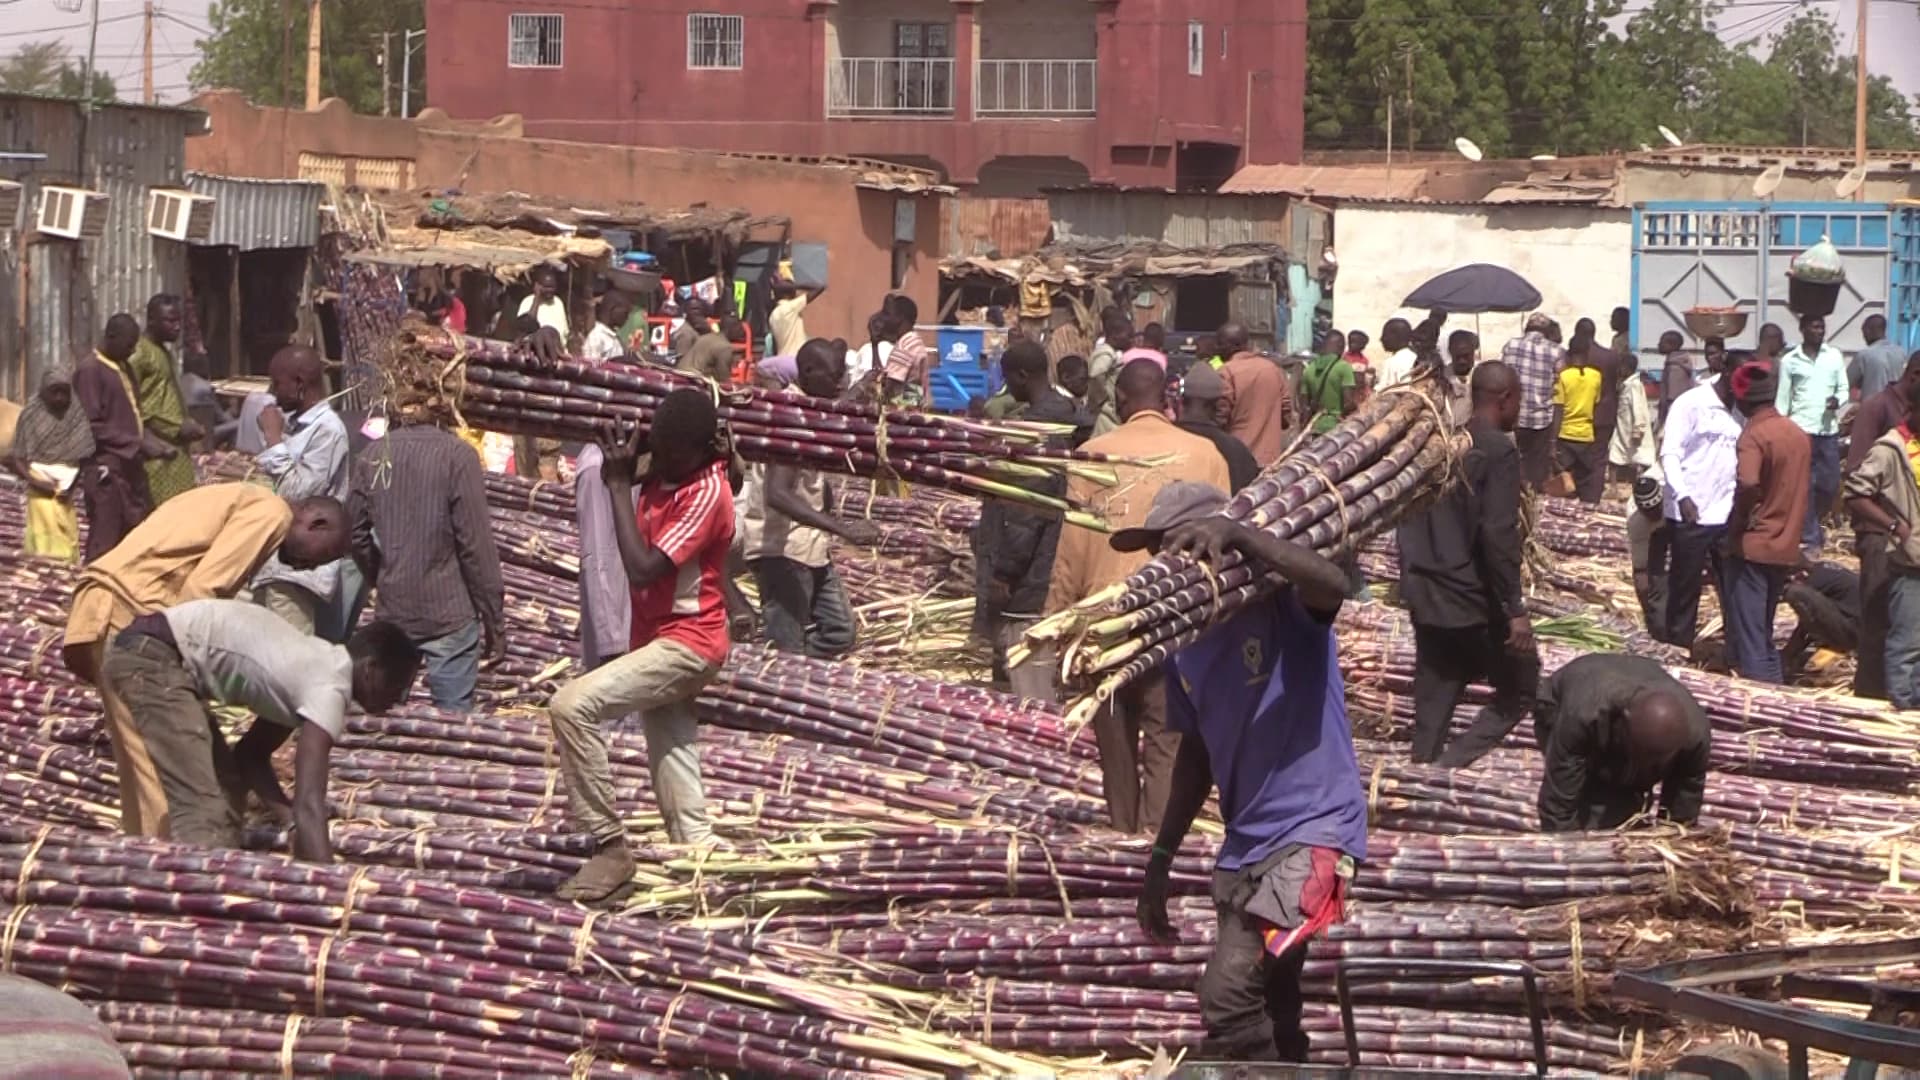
(171, 666)
(205, 543)
(674, 548)
(788, 534)
(1460, 580)
(1136, 749)
(1262, 713)
(1613, 727)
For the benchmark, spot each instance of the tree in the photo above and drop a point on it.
(259, 47)
(48, 67)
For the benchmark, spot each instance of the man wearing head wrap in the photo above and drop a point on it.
(1769, 506)
(52, 437)
(1613, 727)
(1648, 537)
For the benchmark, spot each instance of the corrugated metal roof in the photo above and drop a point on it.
(253, 215)
(1004, 226)
(1328, 181)
(1181, 219)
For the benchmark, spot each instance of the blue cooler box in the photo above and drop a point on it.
(961, 371)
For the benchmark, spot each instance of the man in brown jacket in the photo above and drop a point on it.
(1132, 730)
(1258, 404)
(204, 543)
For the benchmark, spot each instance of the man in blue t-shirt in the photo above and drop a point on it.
(1262, 712)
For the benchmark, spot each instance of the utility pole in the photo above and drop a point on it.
(313, 55)
(146, 54)
(1860, 91)
(1408, 47)
(386, 74)
(406, 71)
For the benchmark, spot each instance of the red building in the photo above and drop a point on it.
(1008, 95)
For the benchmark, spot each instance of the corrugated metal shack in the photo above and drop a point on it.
(55, 293)
(252, 276)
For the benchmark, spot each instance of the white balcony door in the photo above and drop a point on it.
(925, 73)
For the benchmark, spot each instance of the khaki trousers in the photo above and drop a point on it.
(143, 803)
(291, 602)
(659, 681)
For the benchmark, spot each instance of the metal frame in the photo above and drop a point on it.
(1679, 988)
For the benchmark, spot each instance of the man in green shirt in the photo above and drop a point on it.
(163, 415)
(1328, 387)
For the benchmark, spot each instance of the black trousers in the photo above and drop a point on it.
(1249, 1001)
(1821, 625)
(1870, 661)
(1536, 455)
(1586, 462)
(1696, 552)
(1653, 598)
(1446, 659)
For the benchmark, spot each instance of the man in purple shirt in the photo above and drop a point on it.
(1262, 712)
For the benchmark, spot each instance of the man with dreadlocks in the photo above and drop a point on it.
(674, 548)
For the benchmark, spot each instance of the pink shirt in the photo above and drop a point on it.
(1154, 355)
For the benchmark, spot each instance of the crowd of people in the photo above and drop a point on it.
(251, 594)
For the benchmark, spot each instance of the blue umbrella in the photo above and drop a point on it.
(1471, 290)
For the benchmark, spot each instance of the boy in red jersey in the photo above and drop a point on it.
(674, 549)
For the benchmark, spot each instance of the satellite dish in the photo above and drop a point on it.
(1672, 139)
(1538, 158)
(1467, 149)
(1851, 182)
(1645, 149)
(1769, 182)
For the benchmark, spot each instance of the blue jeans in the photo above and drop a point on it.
(1752, 596)
(804, 608)
(1903, 640)
(1823, 483)
(453, 667)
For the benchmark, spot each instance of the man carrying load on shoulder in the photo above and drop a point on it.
(1262, 712)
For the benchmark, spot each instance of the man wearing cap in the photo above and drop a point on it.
(1699, 461)
(1648, 537)
(1460, 581)
(1537, 360)
(1769, 505)
(1136, 749)
(1200, 394)
(1259, 704)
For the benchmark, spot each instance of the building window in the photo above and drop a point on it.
(716, 41)
(1196, 48)
(535, 40)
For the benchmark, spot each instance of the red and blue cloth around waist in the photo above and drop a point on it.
(1292, 895)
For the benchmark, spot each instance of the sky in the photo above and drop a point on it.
(1893, 34)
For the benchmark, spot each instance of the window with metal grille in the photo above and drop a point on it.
(716, 41)
(535, 40)
(1196, 48)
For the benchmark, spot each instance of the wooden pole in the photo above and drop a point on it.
(313, 55)
(1860, 91)
(386, 74)
(146, 53)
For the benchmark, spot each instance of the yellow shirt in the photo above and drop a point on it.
(202, 543)
(1577, 392)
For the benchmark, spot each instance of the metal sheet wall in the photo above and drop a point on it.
(71, 286)
(1187, 220)
(1003, 227)
(254, 215)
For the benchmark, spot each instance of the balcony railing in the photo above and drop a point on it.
(1034, 88)
(890, 86)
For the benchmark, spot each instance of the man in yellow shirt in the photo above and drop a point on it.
(1576, 395)
(1136, 749)
(203, 543)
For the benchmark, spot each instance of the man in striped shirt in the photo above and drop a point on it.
(1537, 359)
(674, 549)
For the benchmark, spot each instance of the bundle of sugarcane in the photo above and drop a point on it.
(137, 921)
(1331, 494)
(921, 507)
(503, 388)
(1573, 528)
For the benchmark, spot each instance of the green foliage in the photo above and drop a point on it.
(259, 47)
(49, 67)
(1567, 77)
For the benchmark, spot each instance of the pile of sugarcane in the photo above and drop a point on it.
(498, 387)
(1331, 494)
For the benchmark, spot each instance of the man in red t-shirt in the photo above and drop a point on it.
(674, 549)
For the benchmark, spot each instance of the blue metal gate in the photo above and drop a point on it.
(1904, 314)
(1737, 254)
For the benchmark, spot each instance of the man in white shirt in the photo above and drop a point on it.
(787, 320)
(544, 303)
(306, 455)
(1397, 338)
(1699, 459)
(603, 341)
(170, 665)
(1813, 387)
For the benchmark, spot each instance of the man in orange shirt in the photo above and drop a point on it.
(1132, 730)
(1258, 405)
